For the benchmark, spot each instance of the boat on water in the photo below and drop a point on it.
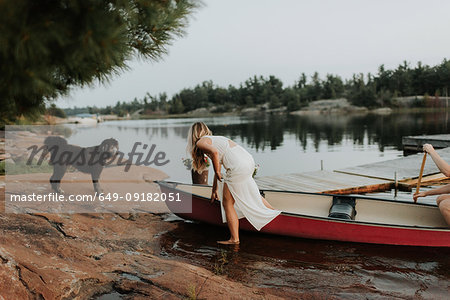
(85, 119)
(322, 216)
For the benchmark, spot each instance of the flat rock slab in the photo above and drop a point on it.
(82, 256)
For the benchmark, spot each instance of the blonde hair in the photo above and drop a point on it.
(196, 132)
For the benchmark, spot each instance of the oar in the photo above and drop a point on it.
(420, 175)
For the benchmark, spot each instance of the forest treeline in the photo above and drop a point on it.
(370, 90)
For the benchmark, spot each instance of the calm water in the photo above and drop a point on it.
(279, 144)
(324, 268)
(287, 144)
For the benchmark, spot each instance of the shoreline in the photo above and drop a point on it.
(322, 107)
(238, 113)
(87, 255)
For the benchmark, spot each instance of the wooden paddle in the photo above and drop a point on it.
(420, 175)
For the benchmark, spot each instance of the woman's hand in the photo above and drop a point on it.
(428, 148)
(214, 196)
(421, 194)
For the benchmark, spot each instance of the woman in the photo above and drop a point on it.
(442, 201)
(237, 190)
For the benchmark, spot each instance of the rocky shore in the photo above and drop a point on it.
(92, 251)
(85, 255)
(337, 106)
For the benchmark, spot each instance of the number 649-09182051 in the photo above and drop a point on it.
(156, 197)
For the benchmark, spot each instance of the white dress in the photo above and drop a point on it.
(239, 166)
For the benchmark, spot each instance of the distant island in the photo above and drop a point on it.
(421, 86)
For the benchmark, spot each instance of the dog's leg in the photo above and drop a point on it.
(95, 177)
(55, 179)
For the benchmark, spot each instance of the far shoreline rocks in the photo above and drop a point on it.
(325, 106)
(322, 106)
(337, 106)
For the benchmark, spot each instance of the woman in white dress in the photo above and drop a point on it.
(236, 190)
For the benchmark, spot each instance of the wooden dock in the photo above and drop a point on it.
(407, 167)
(415, 143)
(323, 182)
(367, 178)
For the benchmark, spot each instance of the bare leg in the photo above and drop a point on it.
(267, 204)
(443, 202)
(232, 219)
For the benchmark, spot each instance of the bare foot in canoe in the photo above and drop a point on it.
(229, 242)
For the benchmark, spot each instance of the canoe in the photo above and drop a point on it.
(322, 216)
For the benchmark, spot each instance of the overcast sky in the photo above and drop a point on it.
(230, 40)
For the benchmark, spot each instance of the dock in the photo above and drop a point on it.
(415, 143)
(375, 177)
(323, 182)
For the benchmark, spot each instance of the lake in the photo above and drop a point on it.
(287, 144)
(280, 144)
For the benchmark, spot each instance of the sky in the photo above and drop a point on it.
(228, 41)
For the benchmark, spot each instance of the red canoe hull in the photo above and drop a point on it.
(319, 228)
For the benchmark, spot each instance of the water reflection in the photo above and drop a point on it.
(269, 131)
(280, 144)
(332, 268)
(382, 130)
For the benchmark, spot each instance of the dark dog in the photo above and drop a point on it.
(90, 160)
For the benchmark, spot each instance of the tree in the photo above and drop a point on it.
(333, 87)
(274, 101)
(291, 99)
(177, 106)
(47, 47)
(360, 93)
(314, 91)
(56, 111)
(302, 81)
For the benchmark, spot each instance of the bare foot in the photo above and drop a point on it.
(229, 242)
